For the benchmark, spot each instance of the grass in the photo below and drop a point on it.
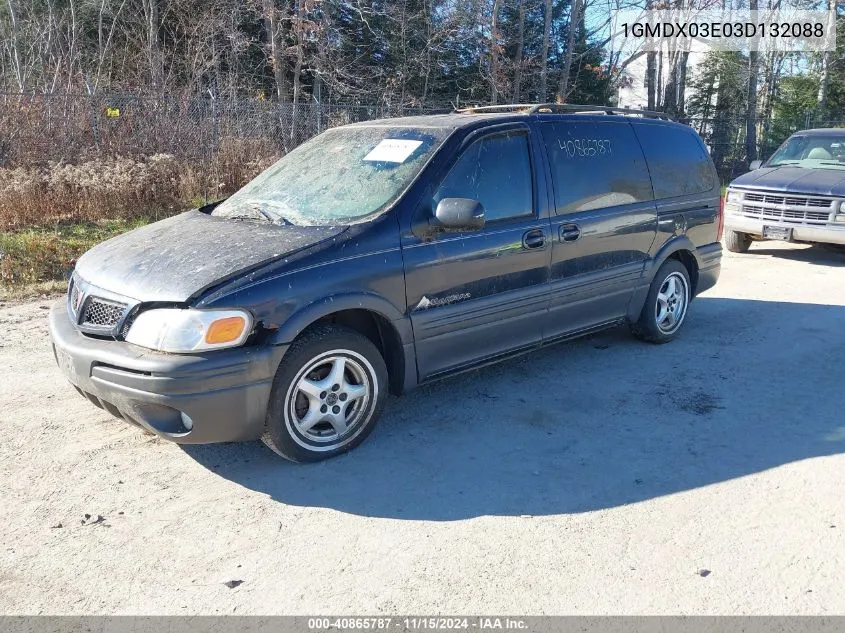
(51, 213)
(38, 260)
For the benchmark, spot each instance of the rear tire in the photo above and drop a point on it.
(666, 305)
(327, 395)
(737, 242)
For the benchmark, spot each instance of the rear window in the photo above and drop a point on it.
(677, 160)
(595, 165)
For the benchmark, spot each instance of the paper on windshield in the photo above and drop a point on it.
(392, 150)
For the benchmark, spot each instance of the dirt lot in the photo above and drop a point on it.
(601, 476)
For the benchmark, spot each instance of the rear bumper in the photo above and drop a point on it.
(225, 393)
(825, 234)
(709, 266)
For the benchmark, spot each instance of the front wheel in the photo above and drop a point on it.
(327, 395)
(666, 305)
(737, 242)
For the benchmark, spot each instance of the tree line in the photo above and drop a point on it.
(414, 54)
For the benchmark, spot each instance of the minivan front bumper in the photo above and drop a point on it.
(224, 393)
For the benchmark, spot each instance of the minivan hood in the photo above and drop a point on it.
(825, 182)
(178, 258)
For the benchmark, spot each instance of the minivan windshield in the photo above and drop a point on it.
(811, 151)
(344, 175)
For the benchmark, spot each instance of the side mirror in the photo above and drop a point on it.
(459, 214)
(755, 164)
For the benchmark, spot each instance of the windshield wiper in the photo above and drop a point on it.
(271, 218)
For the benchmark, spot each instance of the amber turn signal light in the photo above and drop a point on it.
(225, 330)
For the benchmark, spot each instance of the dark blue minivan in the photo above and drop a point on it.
(384, 254)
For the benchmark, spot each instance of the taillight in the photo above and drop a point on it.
(720, 220)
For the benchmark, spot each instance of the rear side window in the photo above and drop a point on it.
(496, 171)
(595, 165)
(678, 162)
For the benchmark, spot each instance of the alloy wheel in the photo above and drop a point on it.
(672, 301)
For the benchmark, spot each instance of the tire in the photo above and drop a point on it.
(670, 294)
(332, 378)
(737, 242)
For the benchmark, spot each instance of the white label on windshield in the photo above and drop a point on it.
(393, 150)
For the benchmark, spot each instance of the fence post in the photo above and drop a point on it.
(95, 131)
(215, 145)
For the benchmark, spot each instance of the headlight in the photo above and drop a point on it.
(175, 330)
(733, 196)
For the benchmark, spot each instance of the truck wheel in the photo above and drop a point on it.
(327, 395)
(666, 304)
(737, 242)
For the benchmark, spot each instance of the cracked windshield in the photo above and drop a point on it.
(343, 176)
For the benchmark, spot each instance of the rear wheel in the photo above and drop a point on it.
(737, 242)
(666, 305)
(327, 395)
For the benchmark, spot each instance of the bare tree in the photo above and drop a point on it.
(751, 111)
(544, 55)
(14, 44)
(494, 52)
(275, 24)
(151, 14)
(520, 46)
(574, 20)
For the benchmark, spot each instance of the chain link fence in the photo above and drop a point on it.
(215, 135)
(37, 129)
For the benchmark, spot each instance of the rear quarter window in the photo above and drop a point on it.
(595, 165)
(677, 160)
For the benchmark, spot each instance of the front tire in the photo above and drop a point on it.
(737, 242)
(327, 395)
(666, 305)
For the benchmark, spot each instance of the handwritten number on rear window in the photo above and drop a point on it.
(586, 147)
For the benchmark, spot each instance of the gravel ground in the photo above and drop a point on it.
(601, 476)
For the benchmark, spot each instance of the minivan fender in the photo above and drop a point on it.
(673, 245)
(294, 325)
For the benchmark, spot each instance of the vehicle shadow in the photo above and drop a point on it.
(812, 254)
(589, 425)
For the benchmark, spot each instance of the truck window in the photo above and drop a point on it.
(496, 171)
(595, 165)
(677, 160)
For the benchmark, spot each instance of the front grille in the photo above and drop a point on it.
(102, 313)
(788, 209)
(789, 200)
(785, 215)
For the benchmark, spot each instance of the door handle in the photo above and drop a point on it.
(535, 238)
(569, 232)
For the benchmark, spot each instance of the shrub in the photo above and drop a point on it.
(50, 215)
(121, 188)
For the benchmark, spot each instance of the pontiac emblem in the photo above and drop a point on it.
(78, 298)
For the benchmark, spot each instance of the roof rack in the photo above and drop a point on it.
(563, 108)
(505, 107)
